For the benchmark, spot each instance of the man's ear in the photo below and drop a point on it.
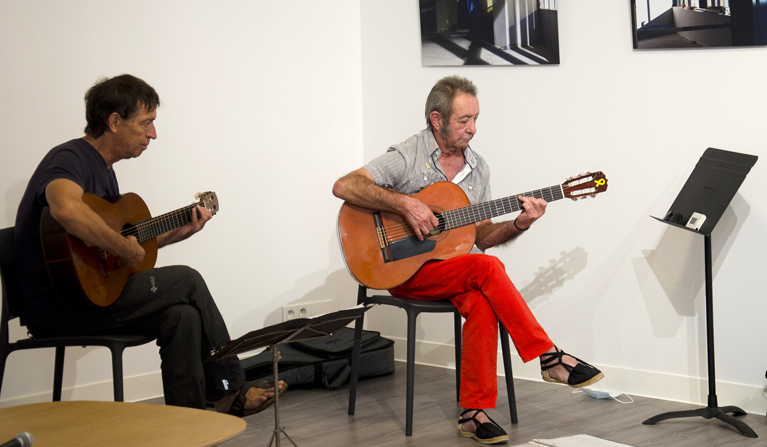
(113, 121)
(436, 120)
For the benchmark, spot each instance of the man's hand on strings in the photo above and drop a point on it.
(184, 232)
(420, 217)
(532, 210)
(131, 254)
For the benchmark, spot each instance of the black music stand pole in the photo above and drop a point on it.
(698, 207)
(300, 329)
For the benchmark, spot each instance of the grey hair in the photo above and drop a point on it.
(441, 98)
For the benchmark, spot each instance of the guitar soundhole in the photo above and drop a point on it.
(129, 230)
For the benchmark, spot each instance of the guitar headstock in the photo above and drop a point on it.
(585, 185)
(208, 200)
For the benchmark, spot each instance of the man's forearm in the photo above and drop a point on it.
(78, 219)
(360, 189)
(494, 234)
(83, 223)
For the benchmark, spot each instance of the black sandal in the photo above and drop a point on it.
(581, 374)
(486, 433)
(238, 406)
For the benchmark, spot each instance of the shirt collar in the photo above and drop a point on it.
(468, 154)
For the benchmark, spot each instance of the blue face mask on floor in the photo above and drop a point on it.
(602, 393)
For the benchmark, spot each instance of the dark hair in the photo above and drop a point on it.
(441, 98)
(123, 94)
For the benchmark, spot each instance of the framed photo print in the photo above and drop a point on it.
(698, 23)
(489, 32)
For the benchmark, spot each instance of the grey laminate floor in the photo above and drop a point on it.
(319, 418)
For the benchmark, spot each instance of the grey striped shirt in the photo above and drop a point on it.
(412, 165)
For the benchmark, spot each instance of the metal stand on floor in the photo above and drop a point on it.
(300, 329)
(713, 410)
(698, 207)
(278, 429)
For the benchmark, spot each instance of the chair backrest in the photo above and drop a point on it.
(11, 293)
(7, 282)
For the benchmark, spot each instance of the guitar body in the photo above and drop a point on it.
(404, 254)
(83, 275)
(381, 250)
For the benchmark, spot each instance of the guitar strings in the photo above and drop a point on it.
(183, 212)
(474, 213)
(151, 223)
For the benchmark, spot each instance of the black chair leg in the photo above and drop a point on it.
(117, 372)
(411, 320)
(458, 337)
(509, 373)
(3, 358)
(355, 363)
(58, 373)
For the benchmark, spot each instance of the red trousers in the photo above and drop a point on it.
(480, 289)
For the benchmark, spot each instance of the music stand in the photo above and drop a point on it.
(300, 329)
(698, 207)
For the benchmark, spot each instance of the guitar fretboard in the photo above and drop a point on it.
(494, 208)
(156, 226)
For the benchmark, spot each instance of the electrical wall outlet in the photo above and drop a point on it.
(305, 310)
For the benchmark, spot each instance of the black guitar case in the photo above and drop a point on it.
(325, 362)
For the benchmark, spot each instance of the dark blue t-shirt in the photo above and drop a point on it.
(75, 160)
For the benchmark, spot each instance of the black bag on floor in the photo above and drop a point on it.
(324, 362)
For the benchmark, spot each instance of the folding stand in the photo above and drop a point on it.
(698, 207)
(300, 329)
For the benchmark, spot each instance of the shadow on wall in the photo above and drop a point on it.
(552, 277)
(337, 285)
(678, 265)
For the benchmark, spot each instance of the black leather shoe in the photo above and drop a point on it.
(581, 375)
(486, 433)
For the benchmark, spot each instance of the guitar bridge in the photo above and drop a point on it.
(381, 233)
(383, 242)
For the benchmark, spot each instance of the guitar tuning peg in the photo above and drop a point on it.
(198, 195)
(593, 195)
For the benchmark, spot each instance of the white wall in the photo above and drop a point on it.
(261, 102)
(255, 88)
(606, 281)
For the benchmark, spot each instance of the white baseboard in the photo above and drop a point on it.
(135, 388)
(658, 385)
(652, 384)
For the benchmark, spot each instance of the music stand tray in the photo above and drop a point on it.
(698, 207)
(299, 329)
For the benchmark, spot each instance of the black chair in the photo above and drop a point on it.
(11, 297)
(414, 307)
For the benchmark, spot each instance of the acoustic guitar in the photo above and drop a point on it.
(381, 250)
(85, 275)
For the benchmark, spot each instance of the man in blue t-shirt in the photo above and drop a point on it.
(171, 303)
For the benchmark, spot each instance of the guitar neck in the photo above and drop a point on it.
(156, 226)
(494, 208)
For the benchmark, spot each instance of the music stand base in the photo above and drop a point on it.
(278, 428)
(276, 435)
(708, 413)
(299, 329)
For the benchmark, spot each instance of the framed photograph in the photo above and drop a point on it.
(489, 32)
(698, 23)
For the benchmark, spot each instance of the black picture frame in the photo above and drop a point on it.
(663, 24)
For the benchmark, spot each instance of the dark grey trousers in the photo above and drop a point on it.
(174, 305)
